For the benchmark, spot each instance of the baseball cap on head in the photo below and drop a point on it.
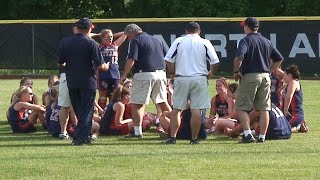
(84, 23)
(192, 26)
(251, 22)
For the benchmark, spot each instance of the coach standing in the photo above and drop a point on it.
(146, 56)
(81, 55)
(253, 56)
(187, 57)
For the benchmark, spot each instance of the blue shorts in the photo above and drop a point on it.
(108, 85)
(184, 132)
(22, 126)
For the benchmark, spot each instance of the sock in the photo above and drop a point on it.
(137, 130)
(157, 121)
(262, 136)
(253, 132)
(246, 132)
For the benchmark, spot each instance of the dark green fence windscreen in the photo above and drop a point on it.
(33, 45)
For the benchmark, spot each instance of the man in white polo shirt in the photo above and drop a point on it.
(187, 58)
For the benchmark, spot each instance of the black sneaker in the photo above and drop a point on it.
(76, 143)
(260, 140)
(170, 140)
(194, 141)
(134, 136)
(247, 139)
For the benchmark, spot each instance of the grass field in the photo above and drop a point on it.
(38, 156)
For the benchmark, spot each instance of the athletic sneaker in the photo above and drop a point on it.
(134, 136)
(303, 127)
(260, 140)
(64, 136)
(170, 140)
(247, 139)
(93, 137)
(164, 136)
(194, 141)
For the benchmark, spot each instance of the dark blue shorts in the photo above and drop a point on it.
(184, 132)
(108, 85)
(22, 126)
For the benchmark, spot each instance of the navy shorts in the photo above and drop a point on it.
(22, 126)
(108, 85)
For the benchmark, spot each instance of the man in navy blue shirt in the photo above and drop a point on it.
(253, 57)
(146, 56)
(81, 55)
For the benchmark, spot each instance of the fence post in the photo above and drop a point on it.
(33, 71)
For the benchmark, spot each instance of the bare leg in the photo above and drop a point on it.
(175, 121)
(63, 119)
(195, 123)
(137, 112)
(264, 122)
(244, 119)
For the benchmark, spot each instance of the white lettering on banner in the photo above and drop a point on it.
(273, 39)
(160, 37)
(236, 37)
(301, 44)
(219, 48)
(301, 38)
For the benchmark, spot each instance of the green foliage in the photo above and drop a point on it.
(67, 9)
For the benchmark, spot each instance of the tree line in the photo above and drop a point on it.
(70, 9)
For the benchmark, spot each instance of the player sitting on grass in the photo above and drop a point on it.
(26, 81)
(52, 114)
(19, 118)
(229, 121)
(184, 131)
(45, 96)
(278, 128)
(293, 100)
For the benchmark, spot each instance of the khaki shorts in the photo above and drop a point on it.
(149, 84)
(194, 89)
(254, 92)
(63, 96)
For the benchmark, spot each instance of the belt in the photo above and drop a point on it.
(157, 70)
(177, 75)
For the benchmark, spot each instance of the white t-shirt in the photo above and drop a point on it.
(190, 53)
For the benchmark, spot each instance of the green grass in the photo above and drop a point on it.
(38, 156)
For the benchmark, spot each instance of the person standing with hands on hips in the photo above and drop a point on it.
(81, 55)
(146, 56)
(253, 57)
(187, 58)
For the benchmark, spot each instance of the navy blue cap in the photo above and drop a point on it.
(84, 23)
(250, 22)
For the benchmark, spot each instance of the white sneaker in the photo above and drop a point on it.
(64, 136)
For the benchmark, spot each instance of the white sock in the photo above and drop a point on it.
(157, 120)
(262, 136)
(137, 130)
(246, 132)
(253, 132)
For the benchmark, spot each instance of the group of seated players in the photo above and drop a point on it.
(286, 116)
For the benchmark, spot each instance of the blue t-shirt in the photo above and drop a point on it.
(148, 53)
(110, 54)
(52, 119)
(82, 56)
(279, 127)
(256, 52)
